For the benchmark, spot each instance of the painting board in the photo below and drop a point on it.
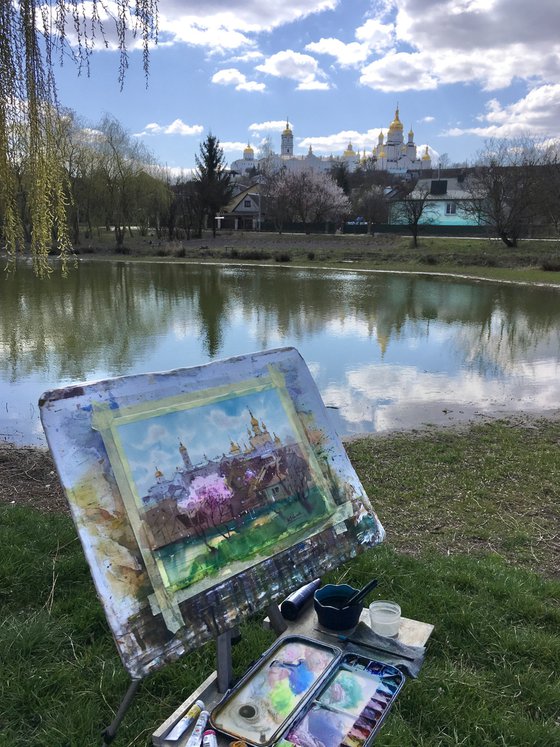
(202, 494)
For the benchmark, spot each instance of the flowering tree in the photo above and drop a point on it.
(308, 197)
(208, 502)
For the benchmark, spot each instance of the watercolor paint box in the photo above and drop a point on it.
(302, 692)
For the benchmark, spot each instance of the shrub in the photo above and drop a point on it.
(311, 256)
(428, 259)
(551, 265)
(283, 257)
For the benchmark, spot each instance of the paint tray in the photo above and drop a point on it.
(348, 708)
(304, 693)
(261, 704)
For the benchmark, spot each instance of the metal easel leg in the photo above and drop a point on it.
(224, 666)
(110, 732)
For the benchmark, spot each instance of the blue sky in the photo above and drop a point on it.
(206, 432)
(461, 71)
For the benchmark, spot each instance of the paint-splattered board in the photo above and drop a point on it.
(202, 494)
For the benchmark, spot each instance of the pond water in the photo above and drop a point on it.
(388, 351)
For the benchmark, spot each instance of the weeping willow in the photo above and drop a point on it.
(35, 36)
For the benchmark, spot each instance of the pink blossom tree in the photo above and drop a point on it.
(209, 501)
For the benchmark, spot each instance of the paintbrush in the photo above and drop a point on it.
(358, 642)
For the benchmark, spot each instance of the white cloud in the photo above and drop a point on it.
(372, 36)
(252, 15)
(222, 25)
(276, 125)
(399, 71)
(345, 54)
(469, 41)
(428, 119)
(232, 146)
(251, 56)
(177, 127)
(295, 66)
(339, 140)
(376, 35)
(232, 77)
(536, 114)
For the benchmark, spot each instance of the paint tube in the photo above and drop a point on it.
(209, 738)
(183, 724)
(195, 738)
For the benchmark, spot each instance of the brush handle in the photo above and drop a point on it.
(359, 595)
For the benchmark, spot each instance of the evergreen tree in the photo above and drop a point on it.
(213, 182)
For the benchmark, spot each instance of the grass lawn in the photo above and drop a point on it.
(533, 261)
(473, 539)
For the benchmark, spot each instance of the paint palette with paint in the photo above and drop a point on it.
(265, 699)
(306, 694)
(349, 708)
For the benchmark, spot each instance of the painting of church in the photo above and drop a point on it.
(215, 511)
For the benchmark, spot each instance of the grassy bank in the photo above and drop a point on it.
(532, 261)
(472, 521)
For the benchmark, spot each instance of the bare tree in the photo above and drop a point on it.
(503, 189)
(414, 209)
(550, 187)
(121, 161)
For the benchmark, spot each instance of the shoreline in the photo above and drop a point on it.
(28, 476)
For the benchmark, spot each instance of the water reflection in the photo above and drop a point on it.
(386, 350)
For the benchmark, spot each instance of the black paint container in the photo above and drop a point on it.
(293, 604)
(330, 605)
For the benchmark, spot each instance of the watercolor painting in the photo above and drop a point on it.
(219, 485)
(203, 494)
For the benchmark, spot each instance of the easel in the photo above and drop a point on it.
(223, 674)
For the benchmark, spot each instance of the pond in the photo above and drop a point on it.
(388, 350)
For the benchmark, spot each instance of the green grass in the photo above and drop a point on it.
(481, 258)
(490, 676)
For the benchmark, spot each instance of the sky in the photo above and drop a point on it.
(460, 71)
(206, 431)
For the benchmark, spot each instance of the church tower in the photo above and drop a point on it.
(287, 146)
(185, 455)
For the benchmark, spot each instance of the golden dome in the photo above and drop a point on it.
(382, 154)
(248, 152)
(158, 473)
(349, 150)
(234, 447)
(396, 124)
(254, 420)
(426, 156)
(287, 131)
(380, 138)
(411, 134)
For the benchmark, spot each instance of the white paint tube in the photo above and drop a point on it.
(183, 724)
(209, 738)
(195, 739)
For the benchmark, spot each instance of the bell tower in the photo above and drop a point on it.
(287, 145)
